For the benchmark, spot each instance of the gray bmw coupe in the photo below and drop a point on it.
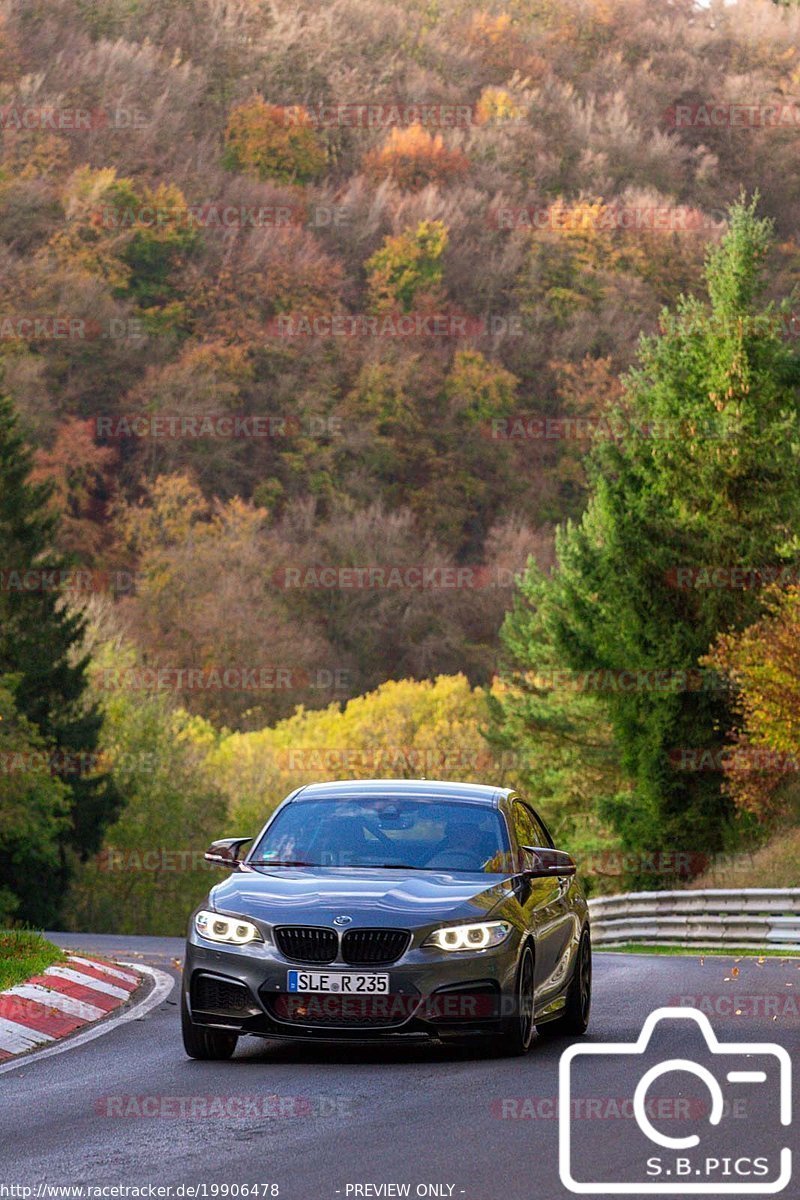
(375, 909)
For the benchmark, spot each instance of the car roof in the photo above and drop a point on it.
(438, 789)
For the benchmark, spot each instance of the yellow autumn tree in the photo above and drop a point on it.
(496, 105)
(273, 142)
(762, 663)
(407, 266)
(404, 729)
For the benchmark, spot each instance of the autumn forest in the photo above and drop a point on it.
(351, 354)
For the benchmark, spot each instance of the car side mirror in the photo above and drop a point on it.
(226, 851)
(547, 862)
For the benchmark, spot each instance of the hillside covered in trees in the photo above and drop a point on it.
(317, 320)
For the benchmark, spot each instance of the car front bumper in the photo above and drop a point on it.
(431, 993)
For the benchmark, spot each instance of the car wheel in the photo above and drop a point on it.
(518, 1026)
(574, 1020)
(202, 1043)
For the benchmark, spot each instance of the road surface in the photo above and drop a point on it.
(333, 1123)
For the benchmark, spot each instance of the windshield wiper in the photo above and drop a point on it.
(282, 862)
(296, 862)
(417, 867)
(390, 866)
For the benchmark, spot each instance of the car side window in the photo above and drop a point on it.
(525, 832)
(542, 836)
(528, 829)
(523, 825)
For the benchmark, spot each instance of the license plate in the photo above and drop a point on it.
(345, 983)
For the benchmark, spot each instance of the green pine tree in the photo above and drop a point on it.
(706, 475)
(40, 647)
(34, 808)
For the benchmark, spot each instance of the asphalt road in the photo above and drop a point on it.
(321, 1121)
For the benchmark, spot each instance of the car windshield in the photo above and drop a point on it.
(417, 834)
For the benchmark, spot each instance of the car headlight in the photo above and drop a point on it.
(469, 937)
(232, 930)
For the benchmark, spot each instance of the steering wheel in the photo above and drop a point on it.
(380, 835)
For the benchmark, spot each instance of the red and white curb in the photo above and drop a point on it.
(66, 997)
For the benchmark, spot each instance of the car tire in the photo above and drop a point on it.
(574, 1020)
(518, 1026)
(202, 1043)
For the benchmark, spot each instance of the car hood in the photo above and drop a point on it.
(314, 896)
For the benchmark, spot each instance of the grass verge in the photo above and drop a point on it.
(697, 951)
(775, 864)
(24, 953)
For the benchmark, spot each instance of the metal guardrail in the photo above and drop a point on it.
(762, 918)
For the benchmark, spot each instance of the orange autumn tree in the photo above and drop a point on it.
(763, 664)
(80, 473)
(273, 142)
(413, 158)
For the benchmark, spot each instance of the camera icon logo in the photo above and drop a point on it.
(736, 1073)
